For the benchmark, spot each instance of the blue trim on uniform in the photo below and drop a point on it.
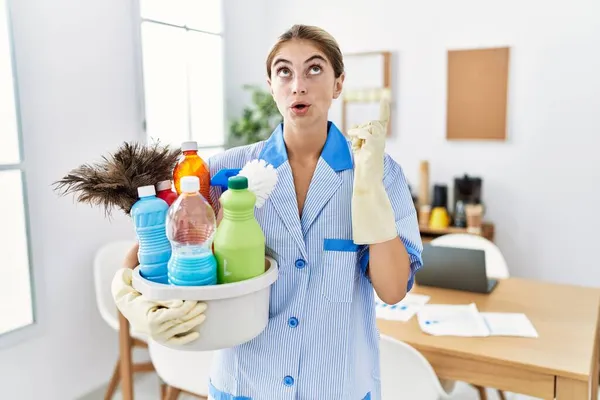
(339, 245)
(413, 252)
(216, 394)
(416, 261)
(336, 151)
(274, 152)
(368, 396)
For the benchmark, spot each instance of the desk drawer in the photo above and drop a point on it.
(498, 376)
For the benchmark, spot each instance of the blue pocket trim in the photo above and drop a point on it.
(216, 394)
(339, 245)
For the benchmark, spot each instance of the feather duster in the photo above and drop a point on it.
(113, 182)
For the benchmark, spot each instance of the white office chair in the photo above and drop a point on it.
(183, 371)
(495, 263)
(108, 259)
(406, 373)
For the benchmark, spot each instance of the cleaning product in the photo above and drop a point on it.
(221, 178)
(191, 226)
(191, 164)
(239, 244)
(262, 178)
(149, 216)
(165, 192)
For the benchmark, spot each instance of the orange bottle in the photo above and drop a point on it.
(191, 164)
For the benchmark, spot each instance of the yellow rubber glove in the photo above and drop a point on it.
(373, 219)
(164, 321)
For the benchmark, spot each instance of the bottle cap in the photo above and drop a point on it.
(190, 184)
(163, 185)
(237, 182)
(189, 146)
(145, 191)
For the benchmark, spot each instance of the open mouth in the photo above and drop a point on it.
(300, 106)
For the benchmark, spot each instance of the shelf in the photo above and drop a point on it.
(427, 233)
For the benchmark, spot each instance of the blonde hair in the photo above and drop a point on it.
(319, 37)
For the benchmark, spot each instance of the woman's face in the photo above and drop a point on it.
(303, 83)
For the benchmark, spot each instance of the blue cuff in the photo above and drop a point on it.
(416, 261)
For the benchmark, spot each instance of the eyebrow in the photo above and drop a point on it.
(315, 57)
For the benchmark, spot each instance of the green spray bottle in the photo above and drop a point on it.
(239, 244)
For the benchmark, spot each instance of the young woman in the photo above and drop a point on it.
(341, 225)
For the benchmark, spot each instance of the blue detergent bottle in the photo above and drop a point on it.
(149, 215)
(191, 226)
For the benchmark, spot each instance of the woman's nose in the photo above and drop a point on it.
(299, 86)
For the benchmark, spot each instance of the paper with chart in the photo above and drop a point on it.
(402, 311)
(452, 320)
(465, 320)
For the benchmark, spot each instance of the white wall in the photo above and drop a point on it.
(246, 44)
(541, 186)
(78, 100)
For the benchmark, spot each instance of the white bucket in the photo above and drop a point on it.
(236, 312)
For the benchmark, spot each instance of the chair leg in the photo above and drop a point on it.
(163, 391)
(501, 394)
(482, 392)
(126, 367)
(114, 381)
(172, 393)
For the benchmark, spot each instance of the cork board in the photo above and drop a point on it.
(477, 94)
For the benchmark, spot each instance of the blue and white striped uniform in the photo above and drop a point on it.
(321, 342)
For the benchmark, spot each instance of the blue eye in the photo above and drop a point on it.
(315, 69)
(283, 72)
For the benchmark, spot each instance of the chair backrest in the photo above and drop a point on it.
(495, 264)
(108, 259)
(186, 370)
(406, 373)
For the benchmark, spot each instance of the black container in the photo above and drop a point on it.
(468, 190)
(440, 196)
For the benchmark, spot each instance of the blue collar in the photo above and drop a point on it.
(336, 152)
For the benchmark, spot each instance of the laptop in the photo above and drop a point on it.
(454, 268)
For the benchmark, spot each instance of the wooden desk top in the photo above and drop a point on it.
(565, 317)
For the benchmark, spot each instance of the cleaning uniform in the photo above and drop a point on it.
(321, 342)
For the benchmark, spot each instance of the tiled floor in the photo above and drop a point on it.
(148, 388)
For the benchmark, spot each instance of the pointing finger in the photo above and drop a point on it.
(384, 111)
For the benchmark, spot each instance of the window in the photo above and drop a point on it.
(182, 65)
(16, 305)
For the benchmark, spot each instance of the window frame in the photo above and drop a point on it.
(25, 332)
(140, 86)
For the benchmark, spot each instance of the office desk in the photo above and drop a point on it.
(561, 362)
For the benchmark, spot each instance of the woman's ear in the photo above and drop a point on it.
(270, 87)
(338, 85)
